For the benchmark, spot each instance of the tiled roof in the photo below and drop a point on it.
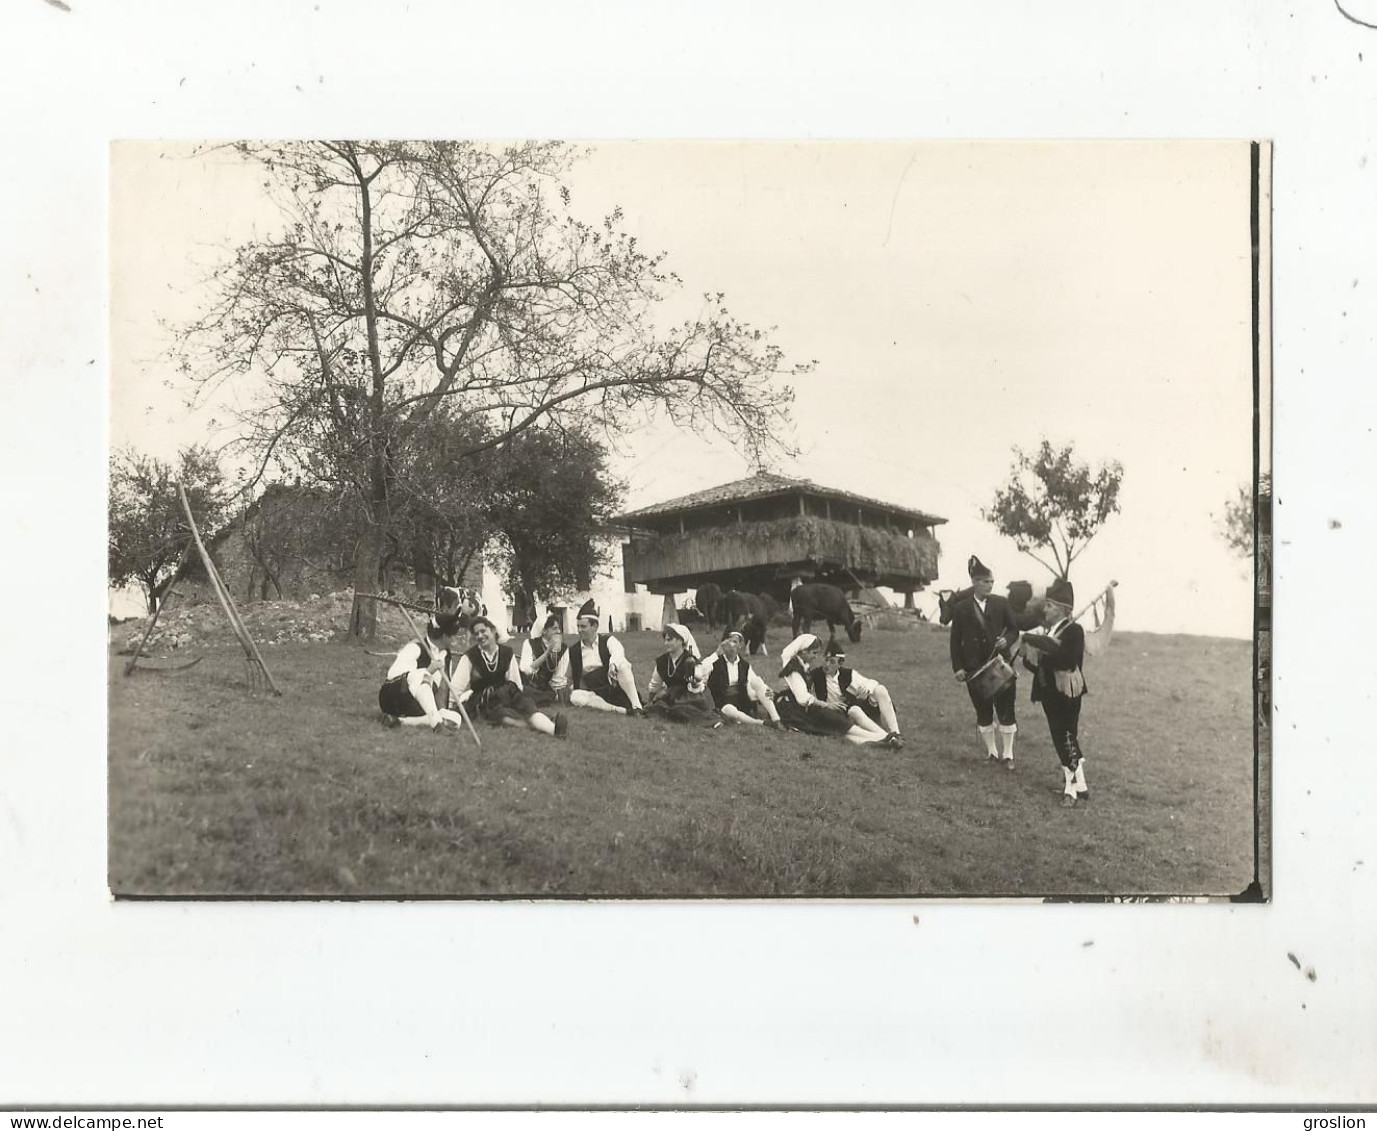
(761, 486)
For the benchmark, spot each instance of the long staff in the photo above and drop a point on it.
(162, 604)
(416, 634)
(226, 601)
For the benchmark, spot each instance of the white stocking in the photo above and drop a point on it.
(594, 702)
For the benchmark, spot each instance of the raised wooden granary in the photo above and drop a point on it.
(768, 532)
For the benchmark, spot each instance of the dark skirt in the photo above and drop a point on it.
(680, 705)
(500, 703)
(395, 698)
(813, 719)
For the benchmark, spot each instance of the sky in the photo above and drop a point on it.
(958, 299)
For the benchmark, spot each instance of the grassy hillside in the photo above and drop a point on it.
(216, 790)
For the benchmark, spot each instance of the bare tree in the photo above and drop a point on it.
(408, 275)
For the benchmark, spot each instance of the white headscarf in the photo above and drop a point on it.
(690, 645)
(795, 646)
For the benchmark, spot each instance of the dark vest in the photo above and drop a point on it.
(682, 674)
(721, 691)
(576, 661)
(794, 665)
(480, 678)
(542, 671)
(818, 678)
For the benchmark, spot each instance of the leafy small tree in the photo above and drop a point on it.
(148, 531)
(552, 495)
(1053, 505)
(1236, 523)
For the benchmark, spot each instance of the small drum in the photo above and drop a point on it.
(992, 677)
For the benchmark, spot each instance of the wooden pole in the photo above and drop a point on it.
(167, 596)
(226, 602)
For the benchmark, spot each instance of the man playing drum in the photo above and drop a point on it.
(982, 627)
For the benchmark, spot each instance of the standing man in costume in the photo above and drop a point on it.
(981, 626)
(596, 670)
(676, 691)
(864, 701)
(489, 670)
(409, 696)
(1059, 685)
(539, 664)
(800, 709)
(738, 692)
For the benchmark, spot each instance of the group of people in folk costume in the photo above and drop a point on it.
(424, 687)
(428, 684)
(983, 628)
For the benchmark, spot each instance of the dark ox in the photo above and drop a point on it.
(708, 601)
(749, 615)
(816, 601)
(1025, 603)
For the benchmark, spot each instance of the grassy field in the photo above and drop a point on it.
(216, 790)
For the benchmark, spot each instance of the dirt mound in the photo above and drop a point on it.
(316, 620)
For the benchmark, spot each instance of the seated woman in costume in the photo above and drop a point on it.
(738, 692)
(676, 691)
(799, 709)
(487, 681)
(540, 665)
(409, 696)
(866, 702)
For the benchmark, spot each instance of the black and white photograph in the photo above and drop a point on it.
(688, 519)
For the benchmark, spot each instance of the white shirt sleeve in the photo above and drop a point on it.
(463, 676)
(799, 686)
(514, 674)
(527, 657)
(861, 686)
(615, 652)
(406, 661)
(704, 668)
(756, 688)
(656, 683)
(561, 676)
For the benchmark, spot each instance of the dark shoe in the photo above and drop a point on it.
(1009, 764)
(637, 713)
(992, 760)
(561, 726)
(774, 724)
(893, 739)
(391, 721)
(1084, 796)
(1068, 801)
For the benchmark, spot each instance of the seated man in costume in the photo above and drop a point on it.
(676, 690)
(865, 702)
(596, 671)
(739, 693)
(409, 696)
(539, 664)
(489, 672)
(1059, 685)
(800, 709)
